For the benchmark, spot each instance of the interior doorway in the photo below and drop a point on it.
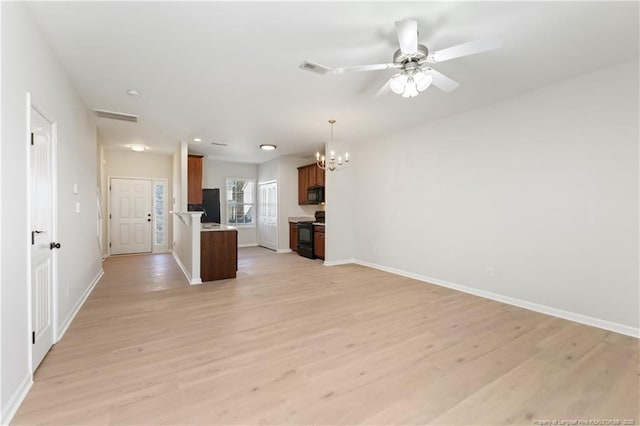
(130, 216)
(268, 215)
(43, 232)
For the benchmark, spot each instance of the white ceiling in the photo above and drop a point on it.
(228, 72)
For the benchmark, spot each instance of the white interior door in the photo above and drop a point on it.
(42, 230)
(268, 215)
(130, 216)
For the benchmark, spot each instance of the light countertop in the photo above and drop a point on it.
(297, 219)
(208, 227)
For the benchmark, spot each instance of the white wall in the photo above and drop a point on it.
(542, 187)
(214, 175)
(340, 207)
(268, 170)
(29, 66)
(142, 165)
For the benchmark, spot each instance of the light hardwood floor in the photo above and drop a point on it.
(293, 342)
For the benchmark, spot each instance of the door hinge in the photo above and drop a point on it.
(109, 215)
(33, 337)
(109, 244)
(32, 138)
(33, 237)
(109, 187)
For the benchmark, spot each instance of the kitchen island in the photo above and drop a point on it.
(218, 252)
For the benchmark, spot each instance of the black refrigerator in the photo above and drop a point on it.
(211, 205)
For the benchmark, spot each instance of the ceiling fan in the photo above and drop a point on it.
(413, 60)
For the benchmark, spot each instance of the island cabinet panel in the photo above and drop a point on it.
(194, 179)
(218, 255)
(293, 236)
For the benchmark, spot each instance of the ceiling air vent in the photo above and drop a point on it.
(313, 67)
(115, 115)
(218, 144)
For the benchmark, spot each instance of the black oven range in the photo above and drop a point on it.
(305, 235)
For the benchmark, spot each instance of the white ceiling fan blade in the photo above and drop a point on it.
(375, 67)
(464, 49)
(385, 89)
(441, 81)
(408, 36)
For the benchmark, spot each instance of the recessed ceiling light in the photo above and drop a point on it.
(132, 92)
(137, 148)
(197, 140)
(267, 147)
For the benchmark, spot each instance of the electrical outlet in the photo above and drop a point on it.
(490, 271)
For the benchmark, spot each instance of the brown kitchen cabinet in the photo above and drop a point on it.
(293, 236)
(303, 184)
(318, 241)
(319, 176)
(218, 255)
(194, 179)
(309, 175)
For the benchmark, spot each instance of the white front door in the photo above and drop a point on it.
(268, 215)
(42, 230)
(130, 216)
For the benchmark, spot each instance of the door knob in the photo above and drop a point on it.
(148, 220)
(54, 245)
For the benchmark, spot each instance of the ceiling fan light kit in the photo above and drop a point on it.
(413, 60)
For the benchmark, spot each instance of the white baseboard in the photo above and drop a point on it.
(186, 273)
(247, 245)
(67, 322)
(543, 309)
(284, 251)
(15, 400)
(339, 262)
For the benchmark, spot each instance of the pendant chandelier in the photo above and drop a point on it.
(331, 164)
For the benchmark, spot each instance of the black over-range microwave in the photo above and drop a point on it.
(315, 194)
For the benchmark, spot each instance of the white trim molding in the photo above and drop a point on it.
(288, 250)
(67, 322)
(246, 245)
(543, 309)
(184, 270)
(339, 262)
(15, 400)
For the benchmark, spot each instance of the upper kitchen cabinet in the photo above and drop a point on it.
(319, 176)
(303, 184)
(308, 176)
(194, 179)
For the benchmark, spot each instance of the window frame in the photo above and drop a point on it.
(254, 218)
